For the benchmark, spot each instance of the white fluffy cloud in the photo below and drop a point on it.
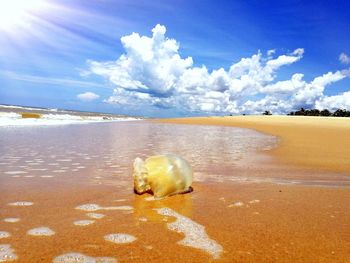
(87, 96)
(152, 72)
(343, 58)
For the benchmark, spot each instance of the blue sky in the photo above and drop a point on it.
(53, 56)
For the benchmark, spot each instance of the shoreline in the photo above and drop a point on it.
(319, 143)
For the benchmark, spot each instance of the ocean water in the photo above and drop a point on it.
(62, 150)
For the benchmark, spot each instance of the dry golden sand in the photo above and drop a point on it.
(318, 142)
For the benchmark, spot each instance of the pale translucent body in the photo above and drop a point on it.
(163, 175)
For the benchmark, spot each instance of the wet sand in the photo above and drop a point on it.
(318, 142)
(257, 210)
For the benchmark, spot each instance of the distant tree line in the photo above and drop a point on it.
(316, 112)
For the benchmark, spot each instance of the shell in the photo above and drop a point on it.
(163, 175)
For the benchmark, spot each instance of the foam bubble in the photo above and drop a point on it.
(4, 234)
(46, 176)
(95, 207)
(59, 171)
(119, 200)
(41, 231)
(11, 220)
(21, 203)
(15, 172)
(195, 235)
(81, 258)
(120, 238)
(89, 207)
(236, 204)
(83, 222)
(122, 207)
(7, 253)
(254, 201)
(95, 215)
(64, 160)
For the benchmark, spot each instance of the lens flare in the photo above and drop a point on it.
(15, 13)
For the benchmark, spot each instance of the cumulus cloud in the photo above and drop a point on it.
(152, 72)
(343, 58)
(87, 96)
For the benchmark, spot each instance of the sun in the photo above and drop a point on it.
(18, 12)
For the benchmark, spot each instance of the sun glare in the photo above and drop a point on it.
(17, 12)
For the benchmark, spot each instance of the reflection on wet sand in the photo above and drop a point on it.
(244, 207)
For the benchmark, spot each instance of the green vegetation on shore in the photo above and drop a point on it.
(325, 112)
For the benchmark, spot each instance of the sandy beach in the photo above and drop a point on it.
(250, 202)
(318, 142)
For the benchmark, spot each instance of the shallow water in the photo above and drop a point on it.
(57, 176)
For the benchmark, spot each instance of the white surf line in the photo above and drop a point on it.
(195, 234)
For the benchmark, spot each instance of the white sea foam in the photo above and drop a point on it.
(4, 234)
(15, 119)
(89, 207)
(11, 220)
(21, 203)
(15, 172)
(41, 231)
(195, 234)
(120, 238)
(83, 222)
(119, 200)
(81, 258)
(95, 215)
(96, 207)
(238, 204)
(122, 207)
(254, 201)
(7, 253)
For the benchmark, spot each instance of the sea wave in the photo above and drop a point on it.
(15, 119)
